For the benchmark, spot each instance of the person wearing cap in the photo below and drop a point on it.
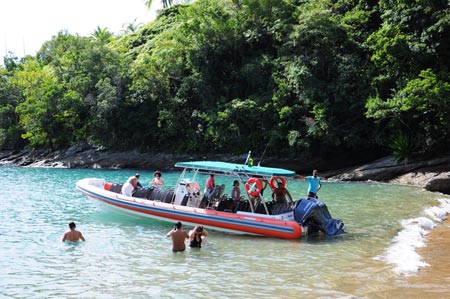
(178, 235)
(131, 185)
(157, 182)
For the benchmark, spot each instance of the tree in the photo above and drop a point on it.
(409, 73)
(102, 35)
(10, 97)
(419, 111)
(40, 90)
(165, 3)
(319, 96)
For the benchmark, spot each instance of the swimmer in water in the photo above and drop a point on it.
(73, 235)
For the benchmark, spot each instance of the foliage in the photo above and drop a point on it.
(420, 107)
(402, 148)
(10, 97)
(308, 78)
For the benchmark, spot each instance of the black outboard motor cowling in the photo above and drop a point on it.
(313, 213)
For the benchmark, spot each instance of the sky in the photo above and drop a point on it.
(26, 24)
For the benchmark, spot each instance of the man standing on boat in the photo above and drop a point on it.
(179, 235)
(314, 184)
(280, 194)
(210, 185)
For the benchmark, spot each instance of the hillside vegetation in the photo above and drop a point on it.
(294, 78)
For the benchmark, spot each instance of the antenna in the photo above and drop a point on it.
(248, 157)
(259, 163)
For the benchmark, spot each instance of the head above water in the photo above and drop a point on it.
(137, 175)
(178, 225)
(315, 173)
(157, 173)
(72, 225)
(236, 183)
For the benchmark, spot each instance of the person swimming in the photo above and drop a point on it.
(73, 235)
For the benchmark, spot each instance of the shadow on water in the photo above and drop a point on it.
(322, 238)
(115, 219)
(127, 220)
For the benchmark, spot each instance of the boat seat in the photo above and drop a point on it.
(185, 200)
(270, 205)
(260, 209)
(155, 195)
(216, 196)
(280, 208)
(117, 188)
(243, 206)
(203, 202)
(225, 204)
(220, 190)
(168, 196)
(142, 193)
(149, 192)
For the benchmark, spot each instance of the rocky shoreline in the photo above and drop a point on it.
(433, 175)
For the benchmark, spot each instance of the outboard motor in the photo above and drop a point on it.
(314, 214)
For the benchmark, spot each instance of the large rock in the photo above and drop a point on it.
(433, 175)
(380, 170)
(82, 156)
(440, 183)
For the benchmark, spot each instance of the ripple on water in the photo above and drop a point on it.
(128, 257)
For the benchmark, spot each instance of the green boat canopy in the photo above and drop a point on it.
(240, 169)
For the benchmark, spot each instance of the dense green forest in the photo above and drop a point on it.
(295, 78)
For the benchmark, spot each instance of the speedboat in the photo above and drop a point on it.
(254, 213)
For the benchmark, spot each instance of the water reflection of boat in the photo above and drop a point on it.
(252, 214)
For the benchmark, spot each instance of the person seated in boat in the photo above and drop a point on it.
(157, 182)
(314, 183)
(280, 194)
(196, 236)
(73, 235)
(210, 185)
(131, 185)
(178, 235)
(236, 192)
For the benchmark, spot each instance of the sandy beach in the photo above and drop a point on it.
(436, 277)
(432, 281)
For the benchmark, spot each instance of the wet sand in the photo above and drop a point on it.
(436, 277)
(432, 281)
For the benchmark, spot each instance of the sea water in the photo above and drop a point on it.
(130, 257)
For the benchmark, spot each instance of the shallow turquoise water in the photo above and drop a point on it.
(128, 257)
